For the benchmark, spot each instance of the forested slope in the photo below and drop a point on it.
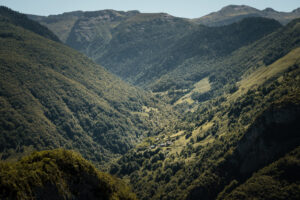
(53, 96)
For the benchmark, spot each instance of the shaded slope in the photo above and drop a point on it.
(52, 96)
(137, 43)
(60, 25)
(150, 50)
(235, 13)
(279, 180)
(19, 19)
(127, 42)
(224, 71)
(58, 174)
(207, 45)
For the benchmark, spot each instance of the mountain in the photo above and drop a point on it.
(252, 122)
(76, 25)
(216, 73)
(126, 43)
(60, 25)
(207, 44)
(143, 48)
(133, 38)
(147, 38)
(52, 96)
(58, 174)
(221, 119)
(19, 19)
(234, 13)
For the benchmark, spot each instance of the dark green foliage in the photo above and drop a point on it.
(147, 39)
(281, 41)
(58, 174)
(19, 19)
(229, 69)
(165, 53)
(162, 54)
(279, 180)
(201, 96)
(52, 96)
(247, 118)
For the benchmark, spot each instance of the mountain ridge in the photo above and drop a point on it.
(234, 13)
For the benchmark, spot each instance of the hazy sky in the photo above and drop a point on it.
(180, 8)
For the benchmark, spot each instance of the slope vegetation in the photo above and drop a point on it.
(19, 19)
(165, 54)
(52, 96)
(58, 174)
(237, 88)
(280, 180)
(224, 71)
(219, 145)
(158, 51)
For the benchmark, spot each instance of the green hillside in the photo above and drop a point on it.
(52, 96)
(18, 19)
(224, 71)
(221, 119)
(147, 38)
(224, 139)
(58, 174)
(124, 42)
(158, 51)
(202, 48)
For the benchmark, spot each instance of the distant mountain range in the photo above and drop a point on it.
(144, 48)
(234, 13)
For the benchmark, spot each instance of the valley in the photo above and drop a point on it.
(166, 107)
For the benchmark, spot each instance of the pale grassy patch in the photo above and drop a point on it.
(199, 87)
(264, 73)
(177, 134)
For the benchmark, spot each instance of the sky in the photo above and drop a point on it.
(179, 8)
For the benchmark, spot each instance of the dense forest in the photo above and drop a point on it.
(129, 105)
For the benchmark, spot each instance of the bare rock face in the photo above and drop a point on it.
(94, 29)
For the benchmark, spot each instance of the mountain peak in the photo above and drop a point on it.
(234, 13)
(234, 8)
(296, 10)
(269, 10)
